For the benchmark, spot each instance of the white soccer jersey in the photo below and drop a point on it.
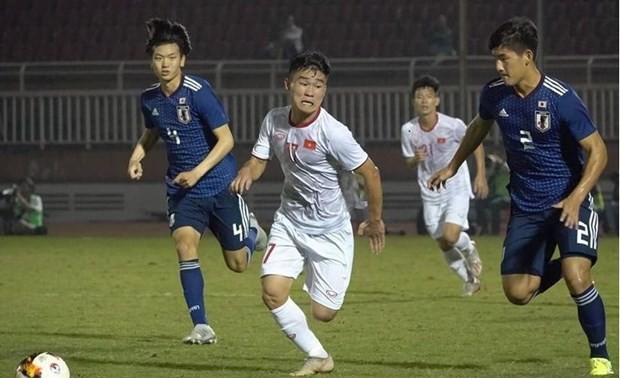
(440, 144)
(311, 155)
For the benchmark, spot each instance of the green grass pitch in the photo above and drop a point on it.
(112, 307)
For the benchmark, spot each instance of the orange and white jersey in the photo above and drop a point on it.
(440, 143)
(311, 156)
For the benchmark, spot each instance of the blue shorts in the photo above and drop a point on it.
(226, 214)
(531, 239)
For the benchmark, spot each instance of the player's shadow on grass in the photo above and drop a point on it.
(211, 366)
(413, 364)
(92, 336)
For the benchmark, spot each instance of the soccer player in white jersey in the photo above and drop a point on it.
(187, 115)
(555, 156)
(312, 227)
(428, 142)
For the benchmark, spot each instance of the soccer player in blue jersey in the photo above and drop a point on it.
(555, 156)
(187, 115)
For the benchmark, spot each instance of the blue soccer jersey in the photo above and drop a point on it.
(185, 121)
(541, 134)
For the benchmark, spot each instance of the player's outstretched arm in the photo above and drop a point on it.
(475, 134)
(596, 160)
(373, 227)
(145, 143)
(251, 171)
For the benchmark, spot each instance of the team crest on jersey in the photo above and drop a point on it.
(183, 114)
(543, 120)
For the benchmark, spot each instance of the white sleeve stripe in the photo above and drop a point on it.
(189, 80)
(496, 83)
(551, 81)
(554, 89)
(154, 86)
(551, 84)
(558, 89)
(190, 86)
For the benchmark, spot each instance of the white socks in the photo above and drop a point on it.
(455, 260)
(464, 244)
(293, 323)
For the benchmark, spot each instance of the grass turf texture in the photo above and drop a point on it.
(113, 307)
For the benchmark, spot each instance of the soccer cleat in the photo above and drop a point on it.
(200, 335)
(314, 365)
(474, 263)
(471, 287)
(600, 366)
(261, 235)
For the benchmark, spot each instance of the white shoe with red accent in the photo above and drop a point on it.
(314, 365)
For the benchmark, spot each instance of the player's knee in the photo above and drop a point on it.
(577, 281)
(237, 262)
(236, 267)
(185, 250)
(324, 314)
(518, 295)
(446, 242)
(274, 298)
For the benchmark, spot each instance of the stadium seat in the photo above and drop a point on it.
(234, 22)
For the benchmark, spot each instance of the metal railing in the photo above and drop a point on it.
(374, 114)
(86, 103)
(268, 74)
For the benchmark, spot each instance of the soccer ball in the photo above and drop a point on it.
(42, 365)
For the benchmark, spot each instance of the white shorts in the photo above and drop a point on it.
(328, 259)
(454, 211)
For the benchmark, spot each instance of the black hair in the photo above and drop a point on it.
(162, 31)
(309, 60)
(517, 34)
(425, 81)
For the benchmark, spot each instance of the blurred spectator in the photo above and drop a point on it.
(291, 38)
(272, 49)
(269, 51)
(24, 212)
(441, 39)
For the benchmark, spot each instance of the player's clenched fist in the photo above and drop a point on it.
(134, 170)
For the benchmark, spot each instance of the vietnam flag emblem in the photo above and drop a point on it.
(309, 144)
(441, 140)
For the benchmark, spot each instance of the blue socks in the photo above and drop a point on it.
(591, 312)
(250, 242)
(193, 286)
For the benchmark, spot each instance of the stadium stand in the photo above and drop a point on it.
(71, 30)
